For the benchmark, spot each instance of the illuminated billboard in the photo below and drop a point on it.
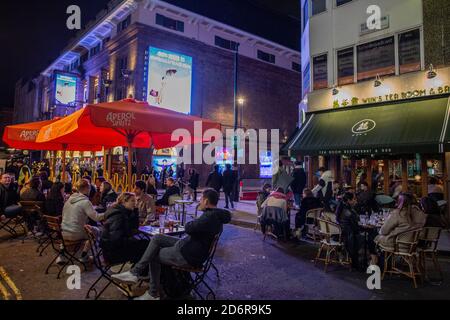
(66, 89)
(265, 167)
(169, 80)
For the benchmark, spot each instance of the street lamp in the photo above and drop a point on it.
(241, 101)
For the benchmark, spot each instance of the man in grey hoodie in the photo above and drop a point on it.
(192, 250)
(77, 209)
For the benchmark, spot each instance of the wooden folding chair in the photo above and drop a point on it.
(68, 249)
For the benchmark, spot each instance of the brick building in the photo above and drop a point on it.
(109, 57)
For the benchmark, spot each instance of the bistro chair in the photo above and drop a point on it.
(405, 250)
(330, 216)
(32, 211)
(331, 244)
(10, 225)
(311, 223)
(104, 267)
(197, 275)
(68, 249)
(428, 242)
(172, 207)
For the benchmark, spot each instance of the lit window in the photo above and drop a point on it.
(320, 72)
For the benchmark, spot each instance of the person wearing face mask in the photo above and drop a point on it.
(121, 224)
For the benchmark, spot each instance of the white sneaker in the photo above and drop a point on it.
(147, 296)
(126, 277)
(61, 260)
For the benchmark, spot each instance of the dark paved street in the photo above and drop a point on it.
(249, 269)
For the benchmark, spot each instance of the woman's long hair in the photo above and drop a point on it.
(407, 205)
(55, 191)
(123, 198)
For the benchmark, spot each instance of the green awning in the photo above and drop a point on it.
(414, 126)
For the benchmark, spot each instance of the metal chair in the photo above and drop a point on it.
(11, 224)
(428, 242)
(31, 211)
(104, 267)
(405, 249)
(331, 244)
(201, 272)
(68, 249)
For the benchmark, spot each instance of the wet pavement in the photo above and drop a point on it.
(249, 268)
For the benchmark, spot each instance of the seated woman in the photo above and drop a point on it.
(144, 202)
(108, 196)
(405, 217)
(151, 186)
(309, 202)
(54, 203)
(348, 219)
(435, 190)
(276, 199)
(32, 191)
(430, 207)
(122, 222)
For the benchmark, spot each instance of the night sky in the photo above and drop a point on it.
(33, 33)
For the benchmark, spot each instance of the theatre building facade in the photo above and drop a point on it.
(173, 58)
(376, 102)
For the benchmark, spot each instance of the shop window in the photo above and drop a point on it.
(320, 72)
(409, 51)
(346, 68)
(376, 58)
(318, 6)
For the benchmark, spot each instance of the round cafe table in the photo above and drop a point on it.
(183, 203)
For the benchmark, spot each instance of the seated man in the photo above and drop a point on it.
(8, 198)
(171, 190)
(144, 202)
(76, 213)
(192, 250)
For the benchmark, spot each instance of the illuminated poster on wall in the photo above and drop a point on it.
(224, 156)
(167, 163)
(265, 166)
(169, 80)
(66, 89)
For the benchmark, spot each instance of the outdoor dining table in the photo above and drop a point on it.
(366, 227)
(150, 231)
(183, 213)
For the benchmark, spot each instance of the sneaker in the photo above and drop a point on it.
(147, 296)
(61, 260)
(85, 259)
(126, 277)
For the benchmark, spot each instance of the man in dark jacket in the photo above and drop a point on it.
(215, 179)
(171, 190)
(229, 179)
(299, 183)
(8, 199)
(192, 250)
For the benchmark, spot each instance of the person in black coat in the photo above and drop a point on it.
(108, 195)
(54, 203)
(191, 251)
(171, 190)
(8, 198)
(309, 202)
(299, 183)
(229, 179)
(215, 179)
(121, 225)
(193, 182)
